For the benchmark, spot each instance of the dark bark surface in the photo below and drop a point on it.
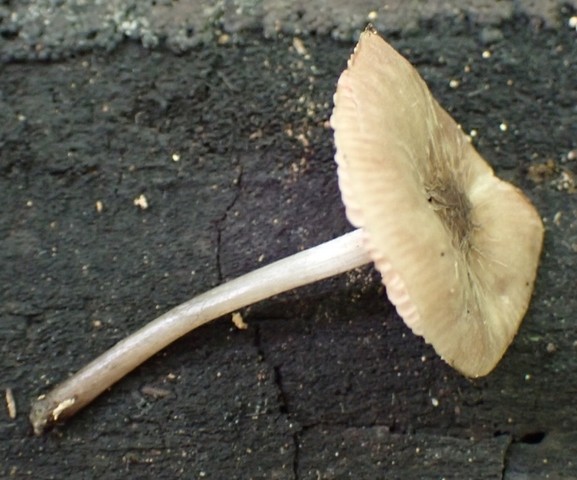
(230, 145)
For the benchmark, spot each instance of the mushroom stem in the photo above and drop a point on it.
(326, 260)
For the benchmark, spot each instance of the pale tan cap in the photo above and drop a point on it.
(457, 248)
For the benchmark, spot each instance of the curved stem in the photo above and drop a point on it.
(323, 261)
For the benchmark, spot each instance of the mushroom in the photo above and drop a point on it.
(457, 248)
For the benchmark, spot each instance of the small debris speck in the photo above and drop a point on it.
(155, 392)
(141, 202)
(255, 135)
(486, 54)
(62, 406)
(503, 127)
(239, 321)
(299, 46)
(10, 403)
(565, 182)
(99, 206)
(223, 39)
(540, 172)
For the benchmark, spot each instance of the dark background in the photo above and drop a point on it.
(327, 382)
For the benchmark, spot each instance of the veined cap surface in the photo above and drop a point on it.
(457, 248)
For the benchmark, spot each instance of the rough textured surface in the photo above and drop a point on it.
(231, 148)
(48, 29)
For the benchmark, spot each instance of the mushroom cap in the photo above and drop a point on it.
(457, 247)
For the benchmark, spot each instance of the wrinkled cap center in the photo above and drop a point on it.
(454, 209)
